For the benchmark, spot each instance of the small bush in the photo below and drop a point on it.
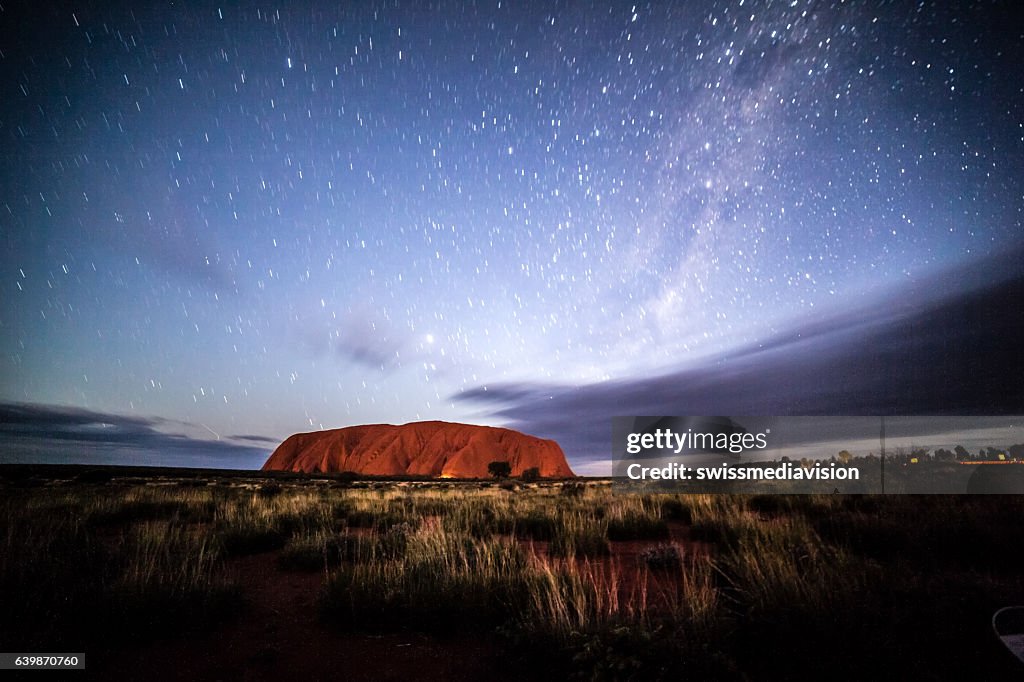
(499, 469)
(536, 525)
(394, 542)
(270, 489)
(319, 552)
(242, 540)
(662, 556)
(586, 541)
(674, 509)
(530, 475)
(573, 489)
(339, 508)
(308, 520)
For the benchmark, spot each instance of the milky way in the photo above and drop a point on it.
(263, 219)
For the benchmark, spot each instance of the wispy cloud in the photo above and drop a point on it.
(911, 356)
(48, 433)
(255, 439)
(361, 336)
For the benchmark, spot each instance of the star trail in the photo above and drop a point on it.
(246, 220)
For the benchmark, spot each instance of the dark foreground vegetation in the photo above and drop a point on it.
(566, 579)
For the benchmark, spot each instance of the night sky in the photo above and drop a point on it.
(223, 224)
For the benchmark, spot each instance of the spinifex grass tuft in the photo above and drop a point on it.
(169, 581)
(322, 551)
(258, 523)
(439, 580)
(636, 518)
(579, 535)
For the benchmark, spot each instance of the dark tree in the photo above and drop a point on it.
(530, 475)
(499, 469)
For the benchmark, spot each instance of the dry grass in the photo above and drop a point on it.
(538, 564)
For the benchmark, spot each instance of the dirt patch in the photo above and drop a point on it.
(278, 636)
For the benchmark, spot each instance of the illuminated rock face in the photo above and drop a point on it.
(438, 449)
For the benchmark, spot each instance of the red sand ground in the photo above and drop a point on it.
(279, 637)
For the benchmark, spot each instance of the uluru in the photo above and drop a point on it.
(431, 448)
